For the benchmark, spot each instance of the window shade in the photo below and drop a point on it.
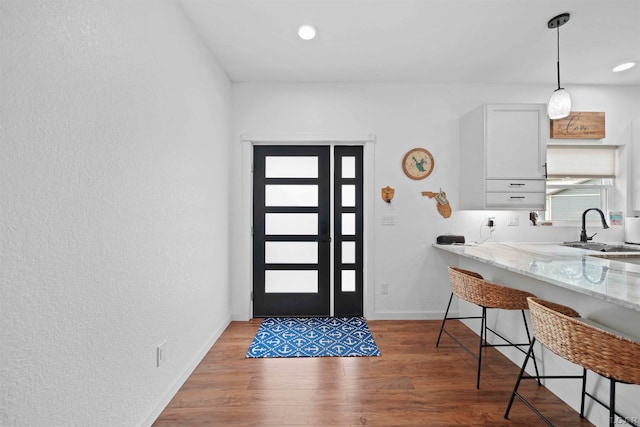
(584, 161)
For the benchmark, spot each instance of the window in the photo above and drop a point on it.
(579, 177)
(567, 198)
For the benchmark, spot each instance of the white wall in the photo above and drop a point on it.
(634, 173)
(403, 116)
(114, 204)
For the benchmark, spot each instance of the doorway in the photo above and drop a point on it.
(301, 246)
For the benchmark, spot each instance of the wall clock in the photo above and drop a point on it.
(417, 163)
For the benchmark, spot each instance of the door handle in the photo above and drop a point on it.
(325, 237)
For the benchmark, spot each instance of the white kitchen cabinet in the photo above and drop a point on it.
(503, 157)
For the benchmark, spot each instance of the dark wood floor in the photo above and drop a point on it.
(413, 383)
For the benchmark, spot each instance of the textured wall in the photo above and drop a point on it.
(114, 193)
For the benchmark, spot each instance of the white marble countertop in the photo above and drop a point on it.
(576, 269)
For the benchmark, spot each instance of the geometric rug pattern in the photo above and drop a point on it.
(313, 337)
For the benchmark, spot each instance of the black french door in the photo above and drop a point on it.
(292, 229)
(348, 243)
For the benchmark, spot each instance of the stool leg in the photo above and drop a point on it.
(612, 403)
(515, 389)
(445, 319)
(483, 336)
(533, 356)
(584, 391)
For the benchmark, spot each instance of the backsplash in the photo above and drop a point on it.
(472, 225)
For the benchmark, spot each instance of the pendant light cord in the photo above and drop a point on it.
(558, 63)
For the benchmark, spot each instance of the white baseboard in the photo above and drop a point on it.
(239, 318)
(155, 413)
(388, 315)
(410, 315)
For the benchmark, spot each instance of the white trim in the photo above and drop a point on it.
(413, 315)
(368, 178)
(297, 138)
(164, 401)
(368, 143)
(245, 275)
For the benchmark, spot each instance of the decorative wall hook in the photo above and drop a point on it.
(443, 205)
(387, 194)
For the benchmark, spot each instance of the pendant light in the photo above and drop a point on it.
(560, 101)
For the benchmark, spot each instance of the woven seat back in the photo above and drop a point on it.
(471, 287)
(559, 329)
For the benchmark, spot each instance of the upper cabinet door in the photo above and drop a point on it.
(516, 139)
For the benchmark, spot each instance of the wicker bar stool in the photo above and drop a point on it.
(585, 343)
(472, 287)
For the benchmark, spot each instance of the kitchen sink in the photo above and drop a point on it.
(601, 247)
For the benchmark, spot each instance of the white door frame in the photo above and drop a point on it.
(367, 141)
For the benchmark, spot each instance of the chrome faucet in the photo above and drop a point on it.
(583, 233)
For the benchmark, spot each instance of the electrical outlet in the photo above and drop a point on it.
(491, 222)
(514, 220)
(388, 220)
(384, 289)
(161, 354)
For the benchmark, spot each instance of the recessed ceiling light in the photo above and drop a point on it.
(624, 66)
(307, 32)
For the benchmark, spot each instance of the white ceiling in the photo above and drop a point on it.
(459, 41)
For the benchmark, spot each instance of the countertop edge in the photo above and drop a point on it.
(460, 250)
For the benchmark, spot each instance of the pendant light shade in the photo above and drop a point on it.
(560, 102)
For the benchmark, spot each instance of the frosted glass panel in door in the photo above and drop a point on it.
(291, 167)
(348, 281)
(348, 252)
(291, 281)
(291, 223)
(348, 196)
(291, 252)
(348, 224)
(348, 167)
(291, 195)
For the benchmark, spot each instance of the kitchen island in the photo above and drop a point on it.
(605, 290)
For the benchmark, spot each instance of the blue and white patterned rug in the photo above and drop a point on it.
(313, 337)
